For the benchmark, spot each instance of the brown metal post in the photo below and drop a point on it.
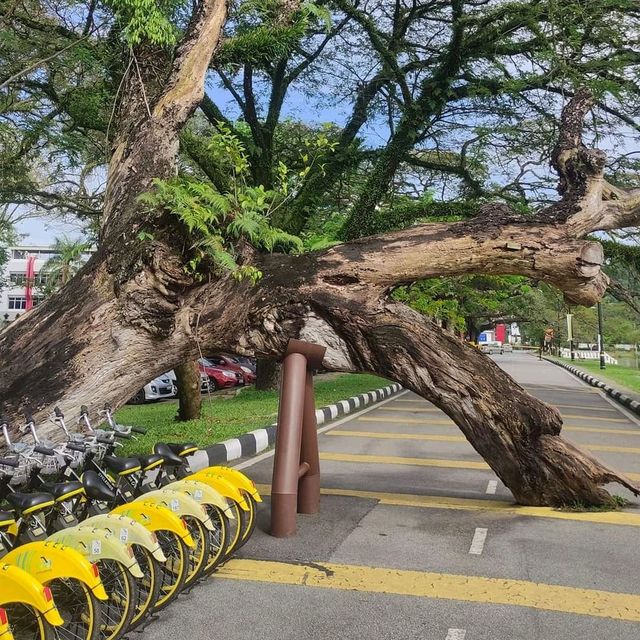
(309, 484)
(284, 486)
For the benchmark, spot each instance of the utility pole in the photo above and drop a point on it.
(600, 339)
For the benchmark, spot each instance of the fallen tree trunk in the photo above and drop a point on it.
(132, 312)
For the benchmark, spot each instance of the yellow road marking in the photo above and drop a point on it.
(567, 416)
(587, 407)
(416, 462)
(450, 423)
(420, 462)
(469, 504)
(439, 586)
(618, 432)
(409, 421)
(412, 409)
(437, 438)
(396, 436)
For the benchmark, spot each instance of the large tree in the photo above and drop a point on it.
(134, 310)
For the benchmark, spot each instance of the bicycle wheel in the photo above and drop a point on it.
(26, 623)
(174, 571)
(217, 538)
(78, 607)
(148, 586)
(198, 555)
(235, 527)
(248, 519)
(119, 609)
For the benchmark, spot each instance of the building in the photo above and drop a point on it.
(13, 298)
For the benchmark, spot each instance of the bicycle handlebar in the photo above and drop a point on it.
(45, 451)
(7, 462)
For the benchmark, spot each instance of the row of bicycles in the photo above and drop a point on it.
(92, 544)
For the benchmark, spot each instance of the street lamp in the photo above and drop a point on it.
(600, 339)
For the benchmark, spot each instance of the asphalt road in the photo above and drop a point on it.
(417, 538)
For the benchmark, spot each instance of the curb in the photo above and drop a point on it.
(616, 394)
(249, 444)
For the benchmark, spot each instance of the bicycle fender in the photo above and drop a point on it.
(156, 517)
(202, 493)
(17, 585)
(50, 560)
(98, 544)
(128, 531)
(222, 485)
(237, 478)
(181, 504)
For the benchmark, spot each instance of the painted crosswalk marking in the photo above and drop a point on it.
(492, 486)
(456, 634)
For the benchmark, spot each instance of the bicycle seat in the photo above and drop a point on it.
(6, 518)
(62, 491)
(183, 448)
(25, 503)
(122, 466)
(96, 488)
(170, 458)
(151, 461)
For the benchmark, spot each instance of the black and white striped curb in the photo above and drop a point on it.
(253, 442)
(616, 394)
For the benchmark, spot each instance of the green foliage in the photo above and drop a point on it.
(147, 21)
(467, 303)
(261, 34)
(218, 222)
(60, 268)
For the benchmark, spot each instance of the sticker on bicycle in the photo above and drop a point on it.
(198, 495)
(96, 547)
(175, 505)
(124, 534)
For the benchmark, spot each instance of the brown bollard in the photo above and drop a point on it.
(309, 484)
(284, 486)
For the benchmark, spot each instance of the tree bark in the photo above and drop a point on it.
(267, 374)
(189, 396)
(132, 312)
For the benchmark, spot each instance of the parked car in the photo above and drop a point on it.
(491, 347)
(248, 376)
(219, 377)
(243, 361)
(204, 382)
(159, 388)
(507, 348)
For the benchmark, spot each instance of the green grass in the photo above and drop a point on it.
(615, 374)
(226, 417)
(617, 503)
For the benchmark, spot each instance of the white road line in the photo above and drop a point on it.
(477, 544)
(492, 486)
(456, 634)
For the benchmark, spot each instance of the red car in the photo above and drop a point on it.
(219, 377)
(227, 363)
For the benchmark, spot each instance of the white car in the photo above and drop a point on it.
(161, 387)
(507, 348)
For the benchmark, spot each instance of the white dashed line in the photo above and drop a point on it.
(492, 486)
(456, 634)
(477, 544)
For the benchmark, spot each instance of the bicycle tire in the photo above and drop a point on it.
(217, 538)
(80, 610)
(197, 555)
(119, 609)
(172, 572)
(235, 527)
(148, 585)
(26, 623)
(248, 520)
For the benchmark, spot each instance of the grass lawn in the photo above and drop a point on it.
(230, 416)
(615, 374)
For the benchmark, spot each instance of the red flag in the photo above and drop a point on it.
(29, 280)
